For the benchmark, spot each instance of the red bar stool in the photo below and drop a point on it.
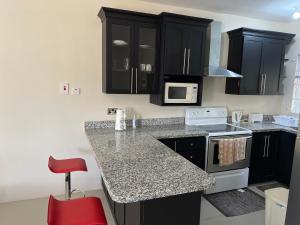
(67, 166)
(83, 211)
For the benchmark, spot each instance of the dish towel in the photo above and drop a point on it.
(226, 152)
(240, 149)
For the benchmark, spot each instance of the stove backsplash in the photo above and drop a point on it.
(155, 122)
(267, 118)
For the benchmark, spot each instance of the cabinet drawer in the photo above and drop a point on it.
(190, 144)
(168, 142)
(196, 157)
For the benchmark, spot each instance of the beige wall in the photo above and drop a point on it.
(44, 43)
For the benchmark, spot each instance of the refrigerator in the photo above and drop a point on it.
(293, 208)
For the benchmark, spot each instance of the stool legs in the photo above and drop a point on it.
(68, 186)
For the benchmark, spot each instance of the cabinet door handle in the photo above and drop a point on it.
(184, 56)
(131, 83)
(136, 80)
(264, 155)
(268, 145)
(265, 83)
(261, 84)
(188, 62)
(175, 146)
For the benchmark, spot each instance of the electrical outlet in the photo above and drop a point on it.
(112, 111)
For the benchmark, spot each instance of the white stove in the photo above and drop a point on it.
(214, 121)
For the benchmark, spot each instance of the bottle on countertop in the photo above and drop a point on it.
(120, 123)
(134, 121)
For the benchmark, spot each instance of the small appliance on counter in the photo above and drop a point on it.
(255, 117)
(236, 116)
(284, 120)
(120, 123)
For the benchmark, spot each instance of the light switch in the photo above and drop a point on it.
(64, 88)
(75, 91)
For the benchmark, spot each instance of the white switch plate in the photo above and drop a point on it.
(64, 88)
(75, 91)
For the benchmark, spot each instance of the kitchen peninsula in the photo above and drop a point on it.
(144, 180)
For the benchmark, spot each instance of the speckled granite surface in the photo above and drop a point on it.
(135, 166)
(139, 122)
(266, 126)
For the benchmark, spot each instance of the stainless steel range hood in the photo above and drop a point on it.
(213, 54)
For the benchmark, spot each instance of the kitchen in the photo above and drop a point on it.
(79, 61)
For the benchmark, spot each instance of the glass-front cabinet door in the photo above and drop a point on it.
(145, 57)
(120, 56)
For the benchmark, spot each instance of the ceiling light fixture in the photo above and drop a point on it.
(296, 14)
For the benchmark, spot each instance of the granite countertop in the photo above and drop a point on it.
(135, 166)
(267, 126)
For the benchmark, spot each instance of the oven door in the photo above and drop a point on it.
(213, 155)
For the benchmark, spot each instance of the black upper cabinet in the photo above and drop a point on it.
(196, 51)
(259, 57)
(273, 53)
(146, 57)
(174, 50)
(141, 51)
(129, 51)
(183, 44)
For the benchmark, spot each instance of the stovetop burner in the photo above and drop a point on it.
(213, 120)
(224, 130)
(216, 128)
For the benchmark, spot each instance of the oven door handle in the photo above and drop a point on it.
(230, 137)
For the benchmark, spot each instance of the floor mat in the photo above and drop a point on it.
(236, 203)
(270, 186)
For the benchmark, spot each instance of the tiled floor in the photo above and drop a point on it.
(33, 212)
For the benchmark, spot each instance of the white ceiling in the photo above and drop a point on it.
(278, 10)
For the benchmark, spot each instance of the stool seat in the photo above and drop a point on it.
(66, 165)
(83, 211)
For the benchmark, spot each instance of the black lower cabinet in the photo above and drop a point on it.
(263, 157)
(191, 148)
(173, 210)
(119, 213)
(272, 157)
(285, 157)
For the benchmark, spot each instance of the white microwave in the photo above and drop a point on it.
(181, 93)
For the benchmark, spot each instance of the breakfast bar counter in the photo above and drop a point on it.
(146, 182)
(135, 166)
